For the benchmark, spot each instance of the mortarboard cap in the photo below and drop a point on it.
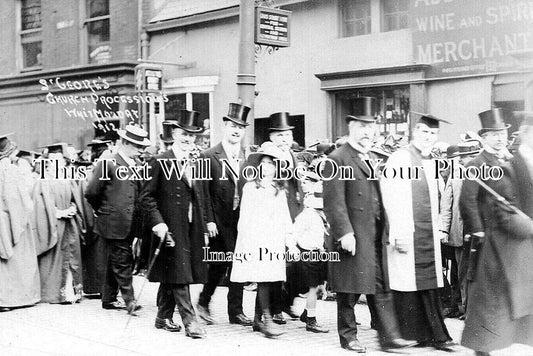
(429, 120)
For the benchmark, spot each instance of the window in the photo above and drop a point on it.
(395, 15)
(31, 34)
(97, 23)
(393, 108)
(356, 19)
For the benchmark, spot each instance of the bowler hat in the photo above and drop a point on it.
(280, 121)
(135, 134)
(238, 114)
(494, 120)
(363, 109)
(188, 120)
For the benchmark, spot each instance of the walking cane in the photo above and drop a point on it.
(501, 199)
(150, 266)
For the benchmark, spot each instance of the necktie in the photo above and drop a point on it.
(236, 197)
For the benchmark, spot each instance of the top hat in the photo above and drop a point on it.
(135, 134)
(280, 121)
(188, 120)
(166, 135)
(238, 114)
(266, 149)
(495, 120)
(363, 109)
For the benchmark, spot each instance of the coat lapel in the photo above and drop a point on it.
(355, 157)
(220, 154)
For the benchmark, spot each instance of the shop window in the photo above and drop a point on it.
(393, 110)
(395, 15)
(98, 26)
(356, 20)
(31, 34)
(261, 129)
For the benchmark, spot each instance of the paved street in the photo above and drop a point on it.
(87, 329)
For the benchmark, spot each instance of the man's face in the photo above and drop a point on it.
(132, 150)
(362, 132)
(233, 133)
(183, 139)
(282, 139)
(497, 140)
(424, 137)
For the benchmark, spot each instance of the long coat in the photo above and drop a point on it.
(218, 196)
(295, 195)
(500, 299)
(474, 219)
(348, 207)
(450, 217)
(167, 201)
(113, 200)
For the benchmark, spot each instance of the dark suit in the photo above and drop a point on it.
(354, 206)
(218, 196)
(167, 201)
(500, 309)
(472, 197)
(114, 202)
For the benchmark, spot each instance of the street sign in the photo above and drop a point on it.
(148, 78)
(272, 27)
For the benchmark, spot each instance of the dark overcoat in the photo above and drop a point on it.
(348, 207)
(218, 195)
(113, 200)
(295, 194)
(167, 201)
(500, 299)
(475, 219)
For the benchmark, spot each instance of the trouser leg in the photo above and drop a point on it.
(346, 324)
(165, 301)
(235, 295)
(122, 262)
(110, 287)
(182, 297)
(215, 272)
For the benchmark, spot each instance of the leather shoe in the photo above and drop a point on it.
(447, 346)
(290, 313)
(314, 327)
(398, 343)
(240, 319)
(279, 319)
(204, 314)
(195, 331)
(117, 305)
(303, 317)
(166, 324)
(356, 346)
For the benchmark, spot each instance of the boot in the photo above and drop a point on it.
(268, 328)
(313, 326)
(257, 323)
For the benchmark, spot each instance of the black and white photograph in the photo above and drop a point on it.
(248, 177)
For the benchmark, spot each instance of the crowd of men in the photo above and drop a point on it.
(61, 239)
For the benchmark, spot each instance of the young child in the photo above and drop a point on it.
(309, 230)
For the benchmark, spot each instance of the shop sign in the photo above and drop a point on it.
(272, 27)
(470, 37)
(148, 78)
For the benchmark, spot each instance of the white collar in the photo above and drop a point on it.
(180, 154)
(231, 150)
(358, 147)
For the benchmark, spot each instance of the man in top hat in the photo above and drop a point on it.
(166, 136)
(19, 275)
(358, 223)
(494, 135)
(451, 224)
(173, 204)
(414, 248)
(115, 202)
(280, 134)
(500, 306)
(222, 199)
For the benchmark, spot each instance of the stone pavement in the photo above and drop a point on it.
(87, 329)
